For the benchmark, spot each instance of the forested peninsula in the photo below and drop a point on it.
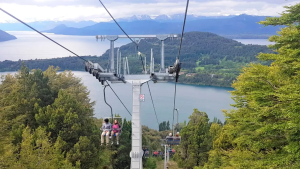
(5, 36)
(207, 58)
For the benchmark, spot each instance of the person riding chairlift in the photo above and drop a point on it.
(170, 137)
(116, 130)
(106, 128)
(177, 136)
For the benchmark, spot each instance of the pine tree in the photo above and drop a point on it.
(263, 132)
(195, 142)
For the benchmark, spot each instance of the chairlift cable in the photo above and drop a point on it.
(137, 46)
(117, 23)
(174, 104)
(118, 97)
(153, 104)
(183, 26)
(111, 111)
(42, 34)
(142, 64)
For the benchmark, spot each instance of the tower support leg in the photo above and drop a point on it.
(136, 153)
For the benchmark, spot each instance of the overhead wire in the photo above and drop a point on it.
(117, 23)
(137, 46)
(42, 34)
(186, 10)
(118, 97)
(104, 95)
(183, 26)
(142, 63)
(151, 95)
(153, 104)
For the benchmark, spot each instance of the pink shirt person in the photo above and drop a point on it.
(116, 128)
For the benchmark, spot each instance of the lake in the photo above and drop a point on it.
(31, 45)
(205, 98)
(255, 41)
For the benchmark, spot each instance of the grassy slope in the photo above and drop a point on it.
(171, 165)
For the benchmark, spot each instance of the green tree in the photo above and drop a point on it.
(263, 132)
(165, 125)
(47, 117)
(150, 163)
(36, 151)
(195, 142)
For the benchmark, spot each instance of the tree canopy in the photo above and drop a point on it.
(195, 141)
(263, 130)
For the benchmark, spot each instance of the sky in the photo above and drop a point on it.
(83, 10)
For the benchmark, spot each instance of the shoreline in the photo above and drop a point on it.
(190, 84)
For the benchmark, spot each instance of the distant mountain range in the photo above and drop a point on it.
(169, 18)
(48, 25)
(44, 25)
(5, 36)
(242, 26)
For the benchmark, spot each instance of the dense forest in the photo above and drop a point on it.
(207, 58)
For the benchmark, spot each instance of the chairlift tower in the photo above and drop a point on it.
(112, 39)
(165, 75)
(162, 38)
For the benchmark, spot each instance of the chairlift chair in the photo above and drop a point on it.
(173, 140)
(121, 122)
(146, 151)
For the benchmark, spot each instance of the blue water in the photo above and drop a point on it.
(205, 98)
(255, 41)
(31, 45)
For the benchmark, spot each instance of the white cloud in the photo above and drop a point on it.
(76, 10)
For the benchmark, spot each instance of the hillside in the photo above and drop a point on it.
(5, 36)
(206, 58)
(245, 26)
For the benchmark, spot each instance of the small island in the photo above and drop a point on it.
(5, 36)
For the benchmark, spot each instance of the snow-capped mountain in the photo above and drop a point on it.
(169, 18)
(163, 18)
(135, 18)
